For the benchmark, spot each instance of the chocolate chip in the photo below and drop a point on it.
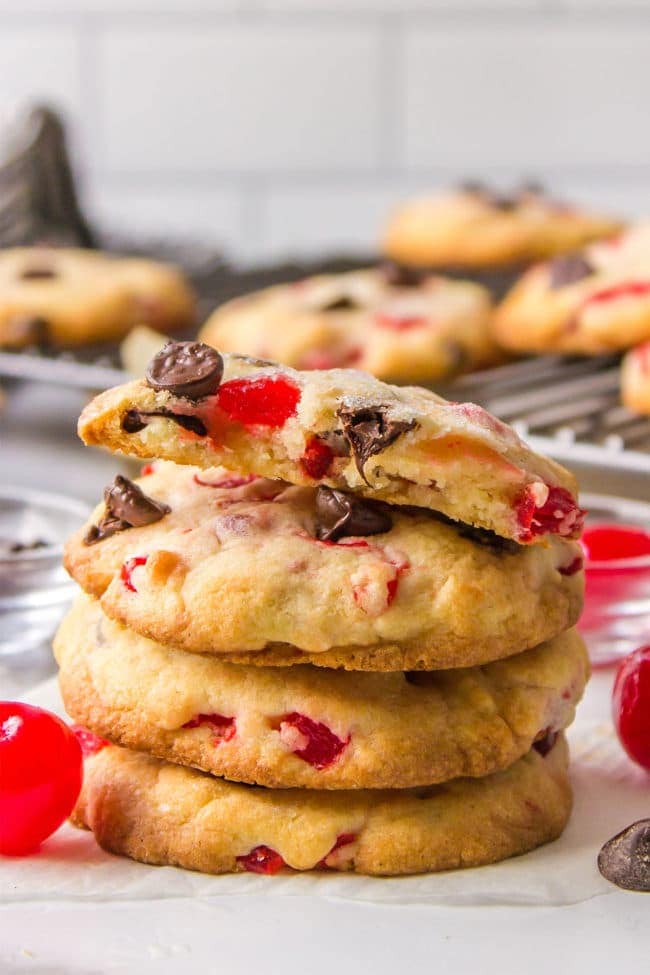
(336, 441)
(545, 742)
(369, 431)
(189, 369)
(400, 276)
(26, 330)
(127, 506)
(568, 269)
(504, 201)
(38, 273)
(344, 303)
(486, 538)
(135, 420)
(340, 514)
(625, 859)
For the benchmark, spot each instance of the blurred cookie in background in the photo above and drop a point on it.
(590, 302)
(476, 227)
(69, 296)
(635, 379)
(396, 325)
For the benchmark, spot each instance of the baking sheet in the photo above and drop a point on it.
(610, 793)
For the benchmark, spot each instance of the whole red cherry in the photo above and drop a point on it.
(631, 705)
(40, 775)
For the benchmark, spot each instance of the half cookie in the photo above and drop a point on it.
(214, 563)
(341, 428)
(165, 814)
(311, 727)
(400, 327)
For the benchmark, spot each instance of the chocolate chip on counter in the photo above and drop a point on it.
(344, 303)
(38, 273)
(369, 431)
(127, 506)
(568, 269)
(340, 514)
(189, 369)
(625, 859)
(401, 276)
(135, 420)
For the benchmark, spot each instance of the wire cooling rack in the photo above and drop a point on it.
(568, 407)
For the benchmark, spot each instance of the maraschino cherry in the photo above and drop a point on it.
(631, 705)
(40, 776)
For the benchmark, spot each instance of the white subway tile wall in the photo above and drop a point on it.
(277, 127)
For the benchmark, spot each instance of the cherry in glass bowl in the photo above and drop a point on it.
(616, 543)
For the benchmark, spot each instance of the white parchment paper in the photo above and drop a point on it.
(610, 793)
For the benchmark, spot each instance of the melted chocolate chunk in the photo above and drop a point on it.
(545, 742)
(400, 276)
(189, 369)
(135, 420)
(38, 273)
(336, 441)
(127, 506)
(369, 431)
(340, 514)
(625, 859)
(344, 303)
(568, 269)
(486, 538)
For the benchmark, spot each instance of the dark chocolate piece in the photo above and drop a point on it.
(26, 330)
(189, 369)
(401, 276)
(484, 537)
(38, 273)
(344, 303)
(127, 506)
(369, 431)
(340, 514)
(336, 441)
(135, 420)
(625, 859)
(545, 742)
(568, 269)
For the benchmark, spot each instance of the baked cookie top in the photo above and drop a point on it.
(341, 428)
(397, 326)
(477, 227)
(68, 296)
(635, 379)
(166, 814)
(310, 727)
(594, 301)
(215, 563)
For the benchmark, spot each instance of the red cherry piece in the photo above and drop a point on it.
(147, 469)
(604, 542)
(631, 705)
(262, 859)
(225, 482)
(224, 728)
(317, 458)
(626, 289)
(574, 566)
(89, 742)
(642, 357)
(128, 568)
(267, 401)
(311, 740)
(559, 515)
(399, 323)
(41, 765)
(343, 840)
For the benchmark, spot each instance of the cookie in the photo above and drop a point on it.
(338, 427)
(211, 562)
(309, 727)
(635, 379)
(404, 329)
(475, 227)
(74, 297)
(592, 302)
(160, 813)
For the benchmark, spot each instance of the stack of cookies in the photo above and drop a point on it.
(329, 628)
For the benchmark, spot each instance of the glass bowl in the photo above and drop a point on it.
(616, 617)
(35, 589)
